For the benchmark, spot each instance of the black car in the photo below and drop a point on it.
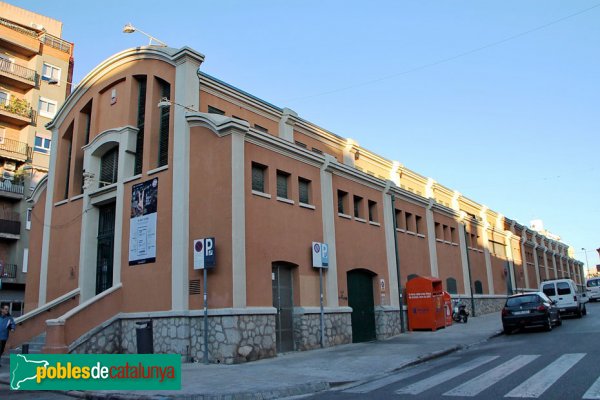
(529, 309)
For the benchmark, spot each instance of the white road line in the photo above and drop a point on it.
(445, 376)
(379, 383)
(594, 391)
(487, 379)
(540, 382)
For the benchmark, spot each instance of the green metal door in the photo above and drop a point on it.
(360, 298)
(283, 301)
(106, 241)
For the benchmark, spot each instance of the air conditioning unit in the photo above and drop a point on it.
(8, 175)
(10, 166)
(37, 26)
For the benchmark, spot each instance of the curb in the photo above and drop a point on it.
(295, 390)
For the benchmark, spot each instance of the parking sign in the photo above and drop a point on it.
(320, 255)
(204, 253)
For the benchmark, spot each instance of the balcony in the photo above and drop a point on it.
(8, 271)
(10, 225)
(17, 75)
(17, 112)
(56, 43)
(15, 150)
(18, 38)
(11, 190)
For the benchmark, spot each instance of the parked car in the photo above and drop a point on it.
(528, 310)
(593, 289)
(564, 292)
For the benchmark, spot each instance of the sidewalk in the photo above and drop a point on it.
(312, 371)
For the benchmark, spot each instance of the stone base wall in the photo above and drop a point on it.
(484, 305)
(387, 322)
(232, 338)
(307, 329)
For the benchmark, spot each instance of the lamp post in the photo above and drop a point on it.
(129, 28)
(587, 262)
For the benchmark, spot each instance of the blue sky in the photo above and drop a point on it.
(514, 125)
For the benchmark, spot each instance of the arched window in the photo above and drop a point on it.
(109, 167)
(478, 287)
(451, 286)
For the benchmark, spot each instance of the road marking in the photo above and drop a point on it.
(540, 382)
(594, 391)
(445, 376)
(493, 376)
(379, 383)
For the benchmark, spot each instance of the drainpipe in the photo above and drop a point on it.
(402, 330)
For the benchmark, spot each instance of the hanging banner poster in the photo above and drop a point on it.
(142, 227)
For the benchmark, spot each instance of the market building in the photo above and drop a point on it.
(152, 154)
(35, 73)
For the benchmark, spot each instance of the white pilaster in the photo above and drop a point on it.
(486, 251)
(327, 201)
(286, 125)
(46, 231)
(524, 261)
(187, 90)
(238, 220)
(464, 260)
(390, 246)
(433, 261)
(510, 259)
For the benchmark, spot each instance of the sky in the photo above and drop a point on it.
(496, 99)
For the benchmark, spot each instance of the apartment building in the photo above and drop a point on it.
(150, 154)
(35, 74)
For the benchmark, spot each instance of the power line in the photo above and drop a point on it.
(448, 59)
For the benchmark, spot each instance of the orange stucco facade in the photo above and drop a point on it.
(265, 184)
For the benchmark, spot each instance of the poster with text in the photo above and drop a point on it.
(142, 227)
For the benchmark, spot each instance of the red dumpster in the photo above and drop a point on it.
(448, 308)
(425, 303)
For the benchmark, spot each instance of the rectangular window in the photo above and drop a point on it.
(109, 167)
(68, 169)
(342, 201)
(409, 222)
(453, 235)
(50, 73)
(261, 128)
(42, 144)
(439, 233)
(358, 207)
(47, 107)
(259, 172)
(298, 143)
(4, 97)
(303, 190)
(25, 259)
(399, 220)
(446, 233)
(419, 224)
(28, 219)
(373, 211)
(282, 184)
(214, 110)
(315, 150)
(141, 122)
(163, 138)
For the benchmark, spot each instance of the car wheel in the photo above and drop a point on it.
(549, 324)
(507, 330)
(579, 314)
(584, 310)
(465, 318)
(558, 320)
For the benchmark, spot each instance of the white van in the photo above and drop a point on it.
(593, 289)
(564, 293)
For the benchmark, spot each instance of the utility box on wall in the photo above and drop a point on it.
(425, 303)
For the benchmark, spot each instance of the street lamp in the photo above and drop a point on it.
(129, 28)
(587, 262)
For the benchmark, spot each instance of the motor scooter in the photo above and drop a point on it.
(459, 311)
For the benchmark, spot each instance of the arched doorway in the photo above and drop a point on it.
(360, 298)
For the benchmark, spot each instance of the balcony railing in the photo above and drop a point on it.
(56, 43)
(8, 271)
(10, 222)
(15, 147)
(18, 28)
(20, 108)
(19, 71)
(8, 186)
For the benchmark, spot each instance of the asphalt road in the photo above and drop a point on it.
(561, 364)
